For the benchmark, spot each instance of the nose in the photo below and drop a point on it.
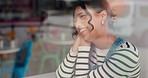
(78, 24)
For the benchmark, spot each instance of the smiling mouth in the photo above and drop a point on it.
(83, 29)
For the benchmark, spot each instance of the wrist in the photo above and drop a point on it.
(84, 48)
(73, 52)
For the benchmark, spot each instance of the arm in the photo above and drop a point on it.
(122, 63)
(82, 62)
(66, 68)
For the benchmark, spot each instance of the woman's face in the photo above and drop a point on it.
(83, 27)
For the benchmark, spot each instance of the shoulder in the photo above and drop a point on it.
(128, 45)
(128, 48)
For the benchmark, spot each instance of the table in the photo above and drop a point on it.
(63, 44)
(47, 75)
(62, 41)
(6, 51)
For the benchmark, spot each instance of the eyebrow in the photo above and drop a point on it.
(79, 14)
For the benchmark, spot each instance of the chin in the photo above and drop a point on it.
(88, 38)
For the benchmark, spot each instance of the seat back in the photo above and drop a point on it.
(22, 60)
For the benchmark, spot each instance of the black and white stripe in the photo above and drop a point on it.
(124, 63)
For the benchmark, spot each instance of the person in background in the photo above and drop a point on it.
(96, 53)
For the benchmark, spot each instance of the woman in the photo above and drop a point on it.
(96, 53)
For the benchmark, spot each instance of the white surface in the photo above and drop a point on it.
(12, 44)
(59, 20)
(60, 42)
(1, 44)
(9, 51)
(47, 75)
(123, 24)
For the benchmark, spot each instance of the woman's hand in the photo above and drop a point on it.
(79, 41)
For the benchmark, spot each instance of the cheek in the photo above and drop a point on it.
(96, 28)
(91, 35)
(96, 20)
(95, 32)
(97, 25)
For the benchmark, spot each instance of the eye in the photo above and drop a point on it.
(82, 16)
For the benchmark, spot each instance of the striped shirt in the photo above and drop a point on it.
(124, 63)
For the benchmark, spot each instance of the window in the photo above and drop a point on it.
(121, 10)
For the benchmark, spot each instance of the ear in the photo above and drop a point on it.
(104, 14)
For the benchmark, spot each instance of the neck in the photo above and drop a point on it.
(105, 42)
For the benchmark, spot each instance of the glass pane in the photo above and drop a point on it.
(121, 10)
(143, 11)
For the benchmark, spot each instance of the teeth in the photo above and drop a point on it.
(82, 29)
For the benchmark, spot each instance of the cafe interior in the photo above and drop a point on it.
(36, 35)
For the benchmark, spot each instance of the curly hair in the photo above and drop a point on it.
(97, 5)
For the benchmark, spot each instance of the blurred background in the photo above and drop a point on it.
(50, 22)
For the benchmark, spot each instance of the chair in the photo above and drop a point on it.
(6, 68)
(22, 60)
(46, 56)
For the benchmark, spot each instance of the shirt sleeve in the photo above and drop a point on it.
(123, 63)
(66, 68)
(82, 62)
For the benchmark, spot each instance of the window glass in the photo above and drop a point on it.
(121, 10)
